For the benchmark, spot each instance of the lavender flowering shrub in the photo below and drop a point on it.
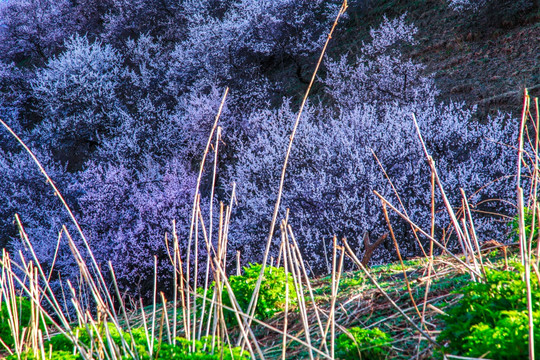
(22, 187)
(34, 29)
(129, 212)
(233, 42)
(485, 14)
(462, 5)
(333, 172)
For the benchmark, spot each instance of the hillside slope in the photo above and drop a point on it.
(434, 289)
(485, 59)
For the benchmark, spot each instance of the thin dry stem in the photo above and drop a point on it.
(253, 301)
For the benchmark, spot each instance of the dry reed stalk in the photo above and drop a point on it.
(101, 305)
(331, 318)
(418, 229)
(222, 245)
(272, 328)
(123, 308)
(399, 199)
(64, 203)
(535, 268)
(196, 200)
(222, 261)
(537, 206)
(310, 289)
(55, 256)
(396, 306)
(297, 280)
(154, 294)
(34, 294)
(63, 298)
(405, 277)
(144, 324)
(238, 314)
(428, 284)
(326, 256)
(335, 288)
(175, 286)
(51, 298)
(536, 168)
(210, 249)
(206, 285)
(524, 248)
(183, 293)
(449, 208)
(227, 221)
(286, 314)
(534, 186)
(10, 299)
(430, 261)
(166, 316)
(254, 298)
(212, 191)
(197, 335)
(195, 276)
(218, 306)
(471, 258)
(238, 272)
(218, 263)
(521, 223)
(472, 231)
(464, 357)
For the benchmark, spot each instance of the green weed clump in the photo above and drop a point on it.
(181, 351)
(88, 336)
(63, 348)
(491, 319)
(365, 344)
(23, 306)
(530, 225)
(54, 355)
(272, 294)
(23, 314)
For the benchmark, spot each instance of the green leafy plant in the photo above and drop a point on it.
(507, 339)
(491, 317)
(23, 315)
(528, 220)
(23, 309)
(353, 281)
(54, 355)
(272, 294)
(184, 349)
(85, 337)
(363, 344)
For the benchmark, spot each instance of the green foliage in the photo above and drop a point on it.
(23, 309)
(528, 220)
(352, 281)
(86, 336)
(63, 347)
(370, 344)
(55, 355)
(492, 317)
(23, 313)
(181, 351)
(272, 294)
(507, 339)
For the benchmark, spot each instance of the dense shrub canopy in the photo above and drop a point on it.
(333, 170)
